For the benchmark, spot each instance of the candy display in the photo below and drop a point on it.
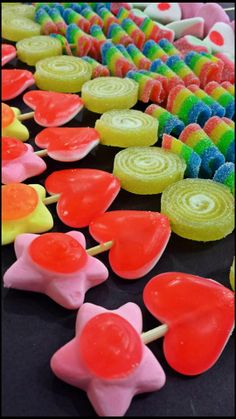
(45, 21)
(182, 70)
(221, 38)
(65, 279)
(229, 87)
(23, 211)
(232, 275)
(205, 319)
(190, 43)
(62, 74)
(11, 126)
(147, 170)
(191, 158)
(199, 209)
(203, 67)
(8, 53)
(138, 58)
(134, 32)
(183, 103)
(149, 88)
(118, 35)
(104, 94)
(168, 123)
(31, 50)
(122, 368)
(193, 26)
(14, 82)
(163, 12)
(19, 162)
(212, 13)
(229, 69)
(222, 96)
(216, 108)
(153, 51)
(15, 28)
(222, 136)
(190, 9)
(127, 128)
(169, 48)
(226, 175)
(115, 60)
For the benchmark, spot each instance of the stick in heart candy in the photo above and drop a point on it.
(8, 53)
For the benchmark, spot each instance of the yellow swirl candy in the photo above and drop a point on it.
(199, 209)
(231, 275)
(127, 128)
(19, 9)
(31, 50)
(106, 93)
(147, 170)
(62, 74)
(15, 28)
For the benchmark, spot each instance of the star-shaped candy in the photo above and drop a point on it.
(108, 359)
(57, 265)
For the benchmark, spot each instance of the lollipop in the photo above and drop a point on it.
(127, 128)
(138, 58)
(82, 41)
(65, 279)
(107, 93)
(31, 50)
(187, 107)
(232, 275)
(192, 159)
(222, 96)
(168, 123)
(147, 170)
(115, 60)
(62, 74)
(153, 51)
(149, 88)
(15, 28)
(182, 70)
(229, 87)
(98, 70)
(134, 32)
(8, 53)
(118, 35)
(216, 108)
(199, 209)
(203, 67)
(14, 82)
(45, 21)
(222, 136)
(169, 48)
(72, 17)
(11, 126)
(226, 175)
(159, 67)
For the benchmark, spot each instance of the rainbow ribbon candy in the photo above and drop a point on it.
(138, 58)
(169, 48)
(63, 41)
(163, 80)
(203, 67)
(118, 35)
(229, 122)
(222, 136)
(229, 68)
(134, 32)
(107, 17)
(153, 51)
(229, 87)
(149, 88)
(215, 107)
(43, 19)
(115, 60)
(79, 38)
(197, 139)
(125, 53)
(159, 67)
(226, 175)
(56, 17)
(222, 96)
(70, 16)
(168, 123)
(150, 29)
(123, 14)
(98, 70)
(182, 70)
(215, 60)
(91, 16)
(97, 33)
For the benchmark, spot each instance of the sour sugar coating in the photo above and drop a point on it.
(63, 41)
(222, 136)
(138, 58)
(151, 29)
(222, 96)
(159, 67)
(70, 16)
(127, 128)
(229, 67)
(56, 17)
(203, 67)
(134, 32)
(115, 60)
(98, 70)
(215, 107)
(162, 79)
(125, 53)
(226, 175)
(229, 122)
(149, 88)
(118, 35)
(169, 48)
(153, 51)
(198, 140)
(107, 17)
(15, 28)
(215, 60)
(168, 123)
(182, 70)
(192, 159)
(91, 16)
(45, 21)
(183, 103)
(97, 33)
(31, 50)
(81, 41)
(115, 7)
(190, 43)
(229, 87)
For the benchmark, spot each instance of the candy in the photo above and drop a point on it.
(221, 38)
(107, 17)
(162, 79)
(23, 211)
(203, 67)
(232, 275)
(134, 32)
(215, 107)
(187, 107)
(57, 18)
(19, 161)
(63, 41)
(190, 43)
(67, 144)
(138, 58)
(169, 48)
(111, 336)
(125, 53)
(62, 74)
(229, 122)
(14, 82)
(79, 38)
(11, 127)
(91, 16)
(118, 35)
(53, 109)
(222, 96)
(193, 26)
(104, 94)
(229, 87)
(150, 29)
(168, 123)
(222, 136)
(124, 14)
(149, 88)
(65, 279)
(226, 175)
(147, 170)
(232, 24)
(72, 17)
(152, 50)
(97, 33)
(8, 53)
(84, 194)
(98, 70)
(228, 70)
(199, 209)
(127, 128)
(190, 9)
(203, 321)
(182, 70)
(45, 21)
(18, 9)
(115, 60)
(31, 50)
(15, 28)
(212, 13)
(164, 12)
(159, 67)
(192, 159)
(115, 7)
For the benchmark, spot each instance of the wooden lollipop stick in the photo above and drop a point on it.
(100, 248)
(51, 199)
(25, 116)
(41, 153)
(154, 334)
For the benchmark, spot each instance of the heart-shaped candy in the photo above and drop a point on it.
(67, 144)
(199, 313)
(53, 109)
(14, 82)
(85, 194)
(140, 238)
(8, 53)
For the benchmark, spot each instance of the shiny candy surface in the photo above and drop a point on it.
(7, 115)
(8, 53)
(14, 82)
(18, 201)
(12, 148)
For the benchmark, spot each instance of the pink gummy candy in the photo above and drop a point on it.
(190, 9)
(212, 13)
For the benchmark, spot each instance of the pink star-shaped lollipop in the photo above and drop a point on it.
(57, 265)
(108, 359)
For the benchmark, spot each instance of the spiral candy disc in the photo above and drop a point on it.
(147, 170)
(62, 74)
(127, 128)
(107, 93)
(15, 28)
(199, 209)
(31, 50)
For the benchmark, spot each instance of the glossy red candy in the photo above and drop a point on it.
(12, 148)
(140, 238)
(8, 53)
(109, 346)
(53, 109)
(199, 313)
(18, 201)
(8, 115)
(14, 82)
(67, 144)
(85, 194)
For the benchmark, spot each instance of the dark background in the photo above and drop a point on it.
(34, 327)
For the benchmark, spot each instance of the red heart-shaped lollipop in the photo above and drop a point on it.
(53, 109)
(140, 238)
(85, 194)
(67, 144)
(8, 53)
(199, 313)
(14, 82)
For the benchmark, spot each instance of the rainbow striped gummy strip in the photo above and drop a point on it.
(153, 51)
(115, 60)
(79, 38)
(138, 58)
(149, 88)
(118, 35)
(159, 67)
(43, 19)
(215, 107)
(168, 123)
(222, 96)
(222, 136)
(70, 16)
(169, 48)
(134, 32)
(203, 67)
(229, 87)
(98, 70)
(226, 175)
(182, 70)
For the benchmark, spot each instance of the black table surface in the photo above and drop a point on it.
(34, 327)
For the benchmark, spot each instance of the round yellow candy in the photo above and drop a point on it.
(15, 28)
(19, 9)
(31, 50)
